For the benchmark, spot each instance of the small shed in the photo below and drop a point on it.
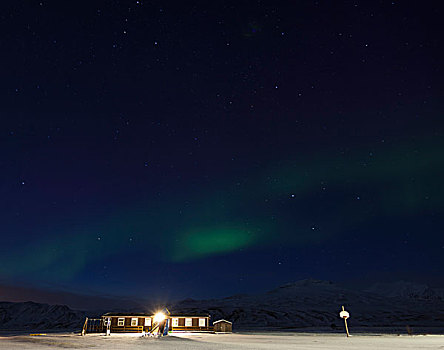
(223, 326)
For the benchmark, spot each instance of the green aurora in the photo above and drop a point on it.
(233, 218)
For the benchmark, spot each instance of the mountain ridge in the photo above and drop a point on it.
(301, 304)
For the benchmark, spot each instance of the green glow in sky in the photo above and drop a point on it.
(400, 178)
(210, 241)
(296, 203)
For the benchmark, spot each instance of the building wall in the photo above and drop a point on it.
(127, 327)
(223, 327)
(195, 326)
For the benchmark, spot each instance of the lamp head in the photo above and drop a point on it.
(159, 317)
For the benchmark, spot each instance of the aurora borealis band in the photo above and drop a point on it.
(208, 151)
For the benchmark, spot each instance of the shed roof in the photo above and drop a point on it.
(222, 321)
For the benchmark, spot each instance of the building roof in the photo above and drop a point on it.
(188, 316)
(222, 321)
(127, 314)
(118, 314)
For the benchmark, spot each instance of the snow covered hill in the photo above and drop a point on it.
(35, 316)
(314, 303)
(405, 289)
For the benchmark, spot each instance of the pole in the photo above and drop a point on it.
(346, 328)
(84, 326)
(345, 321)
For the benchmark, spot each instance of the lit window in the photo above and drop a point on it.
(120, 322)
(188, 322)
(175, 322)
(134, 322)
(201, 322)
(148, 322)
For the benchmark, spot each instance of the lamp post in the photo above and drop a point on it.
(344, 314)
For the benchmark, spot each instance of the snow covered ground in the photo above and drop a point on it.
(256, 341)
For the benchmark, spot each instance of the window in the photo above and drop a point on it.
(188, 322)
(175, 322)
(120, 322)
(148, 322)
(134, 322)
(201, 322)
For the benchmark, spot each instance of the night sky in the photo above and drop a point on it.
(202, 149)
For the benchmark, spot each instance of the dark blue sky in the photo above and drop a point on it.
(211, 148)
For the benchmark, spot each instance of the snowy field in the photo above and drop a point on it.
(257, 341)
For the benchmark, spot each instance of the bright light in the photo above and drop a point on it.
(159, 317)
